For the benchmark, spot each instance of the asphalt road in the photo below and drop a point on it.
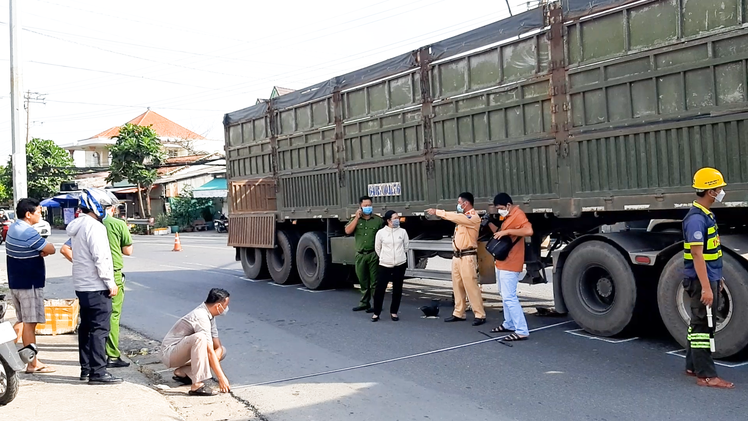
(276, 333)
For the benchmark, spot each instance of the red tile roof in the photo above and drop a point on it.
(164, 127)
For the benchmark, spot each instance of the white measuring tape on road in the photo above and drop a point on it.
(391, 360)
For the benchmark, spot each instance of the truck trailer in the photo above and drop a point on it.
(592, 114)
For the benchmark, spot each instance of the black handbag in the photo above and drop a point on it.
(500, 248)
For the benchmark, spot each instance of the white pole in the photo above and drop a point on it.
(20, 187)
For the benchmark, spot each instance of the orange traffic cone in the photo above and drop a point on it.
(177, 244)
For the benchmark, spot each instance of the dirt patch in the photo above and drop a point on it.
(145, 353)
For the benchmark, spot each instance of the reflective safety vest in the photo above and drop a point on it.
(712, 249)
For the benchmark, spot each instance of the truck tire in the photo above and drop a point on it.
(253, 263)
(9, 383)
(731, 337)
(315, 268)
(599, 288)
(281, 260)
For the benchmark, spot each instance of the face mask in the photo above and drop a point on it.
(504, 212)
(225, 310)
(396, 223)
(367, 210)
(460, 209)
(720, 196)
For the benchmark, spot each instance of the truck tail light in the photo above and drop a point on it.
(643, 260)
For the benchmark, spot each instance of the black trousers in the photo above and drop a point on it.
(96, 310)
(396, 275)
(698, 355)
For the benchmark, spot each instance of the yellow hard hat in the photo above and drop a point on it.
(707, 179)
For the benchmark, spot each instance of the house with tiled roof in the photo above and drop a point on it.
(176, 140)
(277, 91)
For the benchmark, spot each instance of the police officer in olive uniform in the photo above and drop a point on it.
(703, 275)
(364, 226)
(465, 259)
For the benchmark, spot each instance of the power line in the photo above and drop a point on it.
(123, 74)
(29, 98)
(129, 55)
(130, 106)
(183, 29)
(350, 58)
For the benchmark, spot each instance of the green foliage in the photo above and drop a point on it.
(136, 151)
(58, 222)
(135, 155)
(139, 229)
(185, 209)
(161, 221)
(6, 196)
(47, 164)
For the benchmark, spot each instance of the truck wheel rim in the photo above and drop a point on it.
(597, 289)
(3, 380)
(309, 259)
(250, 257)
(278, 258)
(723, 313)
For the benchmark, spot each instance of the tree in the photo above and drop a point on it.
(186, 208)
(135, 156)
(48, 165)
(6, 196)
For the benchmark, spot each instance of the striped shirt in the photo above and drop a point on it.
(23, 246)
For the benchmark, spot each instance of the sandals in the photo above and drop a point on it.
(41, 370)
(184, 380)
(715, 382)
(202, 391)
(501, 329)
(513, 337)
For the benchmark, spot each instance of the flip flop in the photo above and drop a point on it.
(501, 329)
(513, 337)
(184, 380)
(202, 391)
(41, 370)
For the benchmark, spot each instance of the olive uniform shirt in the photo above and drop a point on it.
(366, 233)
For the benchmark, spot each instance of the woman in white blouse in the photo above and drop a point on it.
(391, 245)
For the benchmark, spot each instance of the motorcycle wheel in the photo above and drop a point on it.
(9, 383)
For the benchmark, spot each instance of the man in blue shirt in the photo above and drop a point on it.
(26, 250)
(703, 275)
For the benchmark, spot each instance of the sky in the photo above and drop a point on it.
(98, 64)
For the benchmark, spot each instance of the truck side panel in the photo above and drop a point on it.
(612, 113)
(694, 85)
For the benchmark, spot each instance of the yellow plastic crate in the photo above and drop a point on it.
(61, 315)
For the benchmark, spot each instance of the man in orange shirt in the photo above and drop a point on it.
(465, 259)
(517, 227)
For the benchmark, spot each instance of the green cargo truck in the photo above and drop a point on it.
(592, 114)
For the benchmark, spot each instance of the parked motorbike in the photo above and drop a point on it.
(4, 231)
(12, 360)
(221, 225)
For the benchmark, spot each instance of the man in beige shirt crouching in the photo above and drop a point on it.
(192, 346)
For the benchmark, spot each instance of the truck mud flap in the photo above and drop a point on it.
(252, 231)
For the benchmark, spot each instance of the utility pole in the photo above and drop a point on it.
(20, 181)
(28, 99)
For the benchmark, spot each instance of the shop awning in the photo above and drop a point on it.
(214, 188)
